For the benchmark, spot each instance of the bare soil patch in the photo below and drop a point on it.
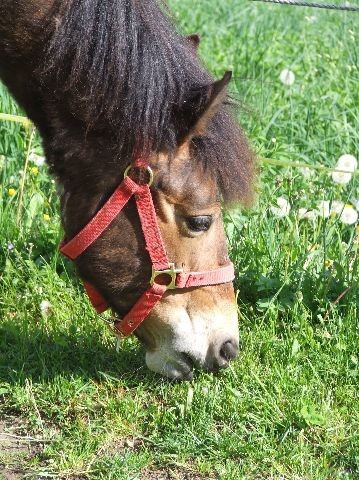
(16, 449)
(174, 474)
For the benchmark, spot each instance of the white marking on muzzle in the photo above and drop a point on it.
(191, 336)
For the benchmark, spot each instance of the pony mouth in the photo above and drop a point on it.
(185, 366)
(188, 361)
(181, 368)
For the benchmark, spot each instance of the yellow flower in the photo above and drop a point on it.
(313, 247)
(46, 217)
(34, 170)
(12, 192)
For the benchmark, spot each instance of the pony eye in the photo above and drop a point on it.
(200, 223)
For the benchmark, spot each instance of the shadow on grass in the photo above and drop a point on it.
(42, 354)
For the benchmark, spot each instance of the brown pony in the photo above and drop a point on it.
(102, 80)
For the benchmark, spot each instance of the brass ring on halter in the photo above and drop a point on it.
(148, 170)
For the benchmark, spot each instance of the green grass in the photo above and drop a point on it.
(289, 407)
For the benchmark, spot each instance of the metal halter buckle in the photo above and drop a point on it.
(147, 169)
(172, 272)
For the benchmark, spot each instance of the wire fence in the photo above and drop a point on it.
(303, 3)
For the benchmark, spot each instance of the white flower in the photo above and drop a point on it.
(324, 209)
(347, 163)
(306, 172)
(129, 442)
(45, 307)
(341, 177)
(287, 77)
(283, 208)
(37, 159)
(304, 213)
(349, 215)
(10, 247)
(355, 202)
(336, 207)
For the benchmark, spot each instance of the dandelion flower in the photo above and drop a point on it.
(287, 77)
(305, 214)
(38, 160)
(273, 140)
(46, 217)
(336, 207)
(355, 202)
(324, 209)
(34, 170)
(306, 172)
(341, 177)
(45, 307)
(12, 192)
(302, 212)
(348, 163)
(283, 208)
(349, 215)
(328, 263)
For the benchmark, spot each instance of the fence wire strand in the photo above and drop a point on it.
(303, 3)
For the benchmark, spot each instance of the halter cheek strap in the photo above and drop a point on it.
(164, 274)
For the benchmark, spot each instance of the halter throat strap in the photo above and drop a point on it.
(164, 274)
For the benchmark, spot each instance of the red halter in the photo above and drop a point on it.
(161, 266)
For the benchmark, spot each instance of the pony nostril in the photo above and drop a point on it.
(229, 350)
(220, 354)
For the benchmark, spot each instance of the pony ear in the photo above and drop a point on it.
(194, 40)
(202, 106)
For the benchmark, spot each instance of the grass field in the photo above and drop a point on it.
(289, 406)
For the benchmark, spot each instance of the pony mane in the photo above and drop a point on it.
(125, 70)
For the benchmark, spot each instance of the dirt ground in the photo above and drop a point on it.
(173, 474)
(16, 449)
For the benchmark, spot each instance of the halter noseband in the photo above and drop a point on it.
(161, 266)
